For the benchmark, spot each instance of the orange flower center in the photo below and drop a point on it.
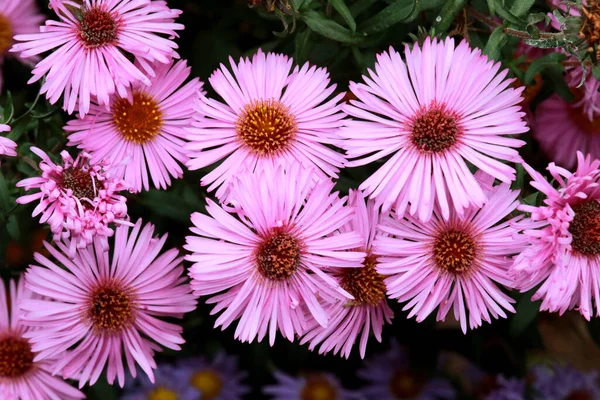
(278, 256)
(16, 358)
(160, 393)
(365, 284)
(97, 28)
(138, 121)
(404, 385)
(266, 127)
(6, 34)
(454, 251)
(318, 388)
(208, 382)
(434, 130)
(585, 228)
(110, 307)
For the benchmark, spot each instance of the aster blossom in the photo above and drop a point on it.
(563, 238)
(7, 146)
(368, 311)
(456, 263)
(271, 114)
(313, 385)
(91, 44)
(389, 377)
(16, 17)
(105, 307)
(145, 130)
(269, 266)
(79, 200)
(444, 107)
(21, 377)
(559, 382)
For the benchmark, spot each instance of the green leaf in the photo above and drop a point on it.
(13, 228)
(521, 7)
(431, 4)
(547, 43)
(330, 29)
(596, 71)
(448, 14)
(527, 312)
(304, 45)
(506, 14)
(341, 7)
(542, 63)
(400, 11)
(535, 18)
(497, 40)
(531, 200)
(297, 4)
(361, 6)
(8, 111)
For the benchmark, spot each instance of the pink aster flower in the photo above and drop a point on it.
(7, 146)
(562, 129)
(104, 309)
(456, 263)
(16, 17)
(269, 265)
(563, 234)
(442, 108)
(314, 385)
(21, 376)
(368, 311)
(79, 199)
(271, 114)
(93, 43)
(146, 129)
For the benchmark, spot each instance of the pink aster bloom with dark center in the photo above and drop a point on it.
(7, 146)
(368, 311)
(311, 386)
(143, 133)
(22, 377)
(562, 129)
(442, 109)
(271, 114)
(92, 45)
(79, 200)
(270, 265)
(563, 234)
(456, 263)
(16, 17)
(107, 307)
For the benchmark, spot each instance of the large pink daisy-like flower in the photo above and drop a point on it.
(7, 146)
(442, 108)
(103, 309)
(21, 377)
(564, 240)
(92, 42)
(454, 264)
(79, 200)
(271, 114)
(16, 17)
(562, 129)
(146, 129)
(269, 264)
(368, 311)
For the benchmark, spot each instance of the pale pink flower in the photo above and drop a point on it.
(269, 265)
(106, 308)
(368, 311)
(443, 108)
(562, 129)
(456, 264)
(79, 200)
(271, 114)
(16, 17)
(563, 255)
(143, 133)
(92, 45)
(21, 376)
(7, 146)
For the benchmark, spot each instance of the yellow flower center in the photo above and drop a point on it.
(160, 393)
(138, 121)
(454, 251)
(208, 382)
(110, 307)
(365, 284)
(318, 388)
